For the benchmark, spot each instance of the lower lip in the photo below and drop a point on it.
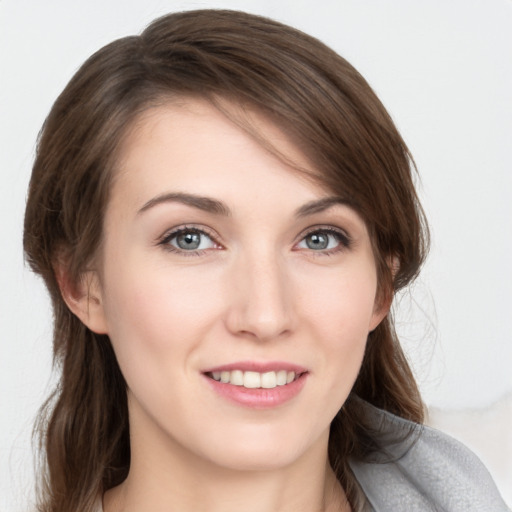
(259, 398)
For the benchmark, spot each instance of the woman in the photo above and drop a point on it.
(222, 211)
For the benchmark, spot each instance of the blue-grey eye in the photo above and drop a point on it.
(191, 240)
(320, 241)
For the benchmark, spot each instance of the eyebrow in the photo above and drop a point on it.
(217, 207)
(206, 204)
(321, 205)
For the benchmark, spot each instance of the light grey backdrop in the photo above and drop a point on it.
(444, 71)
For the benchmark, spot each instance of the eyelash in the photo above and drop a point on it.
(167, 237)
(342, 238)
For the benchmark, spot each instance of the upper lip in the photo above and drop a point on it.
(258, 366)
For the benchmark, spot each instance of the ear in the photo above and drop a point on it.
(380, 310)
(83, 298)
(385, 295)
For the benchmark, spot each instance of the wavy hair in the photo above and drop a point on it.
(304, 87)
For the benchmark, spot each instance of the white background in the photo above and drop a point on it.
(443, 68)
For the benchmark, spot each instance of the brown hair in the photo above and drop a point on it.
(309, 91)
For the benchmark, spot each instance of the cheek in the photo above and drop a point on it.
(340, 314)
(152, 314)
(341, 303)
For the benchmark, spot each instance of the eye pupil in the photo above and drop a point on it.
(189, 240)
(317, 241)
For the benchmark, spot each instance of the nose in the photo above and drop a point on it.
(261, 302)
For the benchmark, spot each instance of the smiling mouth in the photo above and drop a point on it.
(255, 380)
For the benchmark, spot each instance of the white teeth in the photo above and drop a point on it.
(268, 380)
(281, 378)
(237, 378)
(254, 380)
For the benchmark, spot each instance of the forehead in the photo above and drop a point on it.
(192, 143)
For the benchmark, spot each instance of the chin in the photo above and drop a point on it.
(256, 460)
(264, 452)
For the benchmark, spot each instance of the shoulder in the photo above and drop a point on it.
(418, 468)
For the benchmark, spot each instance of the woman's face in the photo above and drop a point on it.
(221, 262)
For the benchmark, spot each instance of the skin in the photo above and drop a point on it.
(254, 291)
